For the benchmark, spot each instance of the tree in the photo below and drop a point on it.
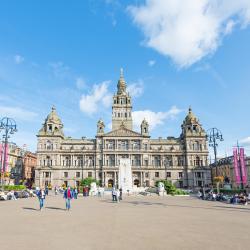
(169, 187)
(87, 181)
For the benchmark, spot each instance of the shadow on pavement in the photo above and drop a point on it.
(220, 208)
(56, 208)
(31, 208)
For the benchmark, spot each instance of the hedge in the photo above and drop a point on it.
(231, 191)
(14, 187)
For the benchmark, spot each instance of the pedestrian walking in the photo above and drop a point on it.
(46, 190)
(41, 197)
(67, 196)
(120, 197)
(117, 195)
(75, 193)
(113, 194)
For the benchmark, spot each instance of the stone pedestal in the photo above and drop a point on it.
(125, 175)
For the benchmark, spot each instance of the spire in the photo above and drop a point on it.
(121, 73)
(53, 108)
(121, 85)
(190, 109)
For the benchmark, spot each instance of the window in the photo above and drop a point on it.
(77, 174)
(68, 163)
(169, 174)
(146, 175)
(180, 161)
(197, 161)
(66, 174)
(123, 145)
(199, 175)
(111, 161)
(47, 174)
(180, 174)
(156, 174)
(136, 160)
(146, 163)
(89, 174)
(157, 161)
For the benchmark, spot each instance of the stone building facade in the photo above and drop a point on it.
(29, 164)
(225, 168)
(182, 160)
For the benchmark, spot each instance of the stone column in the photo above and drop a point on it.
(115, 180)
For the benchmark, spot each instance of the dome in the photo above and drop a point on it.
(190, 118)
(53, 117)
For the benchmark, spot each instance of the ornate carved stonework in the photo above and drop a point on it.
(121, 132)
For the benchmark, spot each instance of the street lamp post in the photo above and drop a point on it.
(8, 125)
(214, 135)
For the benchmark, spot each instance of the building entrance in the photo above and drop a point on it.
(137, 183)
(110, 183)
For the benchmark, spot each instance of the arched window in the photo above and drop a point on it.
(48, 161)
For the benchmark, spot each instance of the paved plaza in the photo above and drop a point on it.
(137, 222)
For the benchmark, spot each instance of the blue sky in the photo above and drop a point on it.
(69, 54)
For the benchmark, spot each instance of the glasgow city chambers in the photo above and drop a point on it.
(64, 160)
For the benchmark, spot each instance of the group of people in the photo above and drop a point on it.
(68, 195)
(72, 193)
(241, 198)
(116, 194)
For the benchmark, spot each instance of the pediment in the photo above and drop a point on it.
(123, 132)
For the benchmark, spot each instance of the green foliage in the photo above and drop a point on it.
(170, 188)
(14, 187)
(231, 191)
(87, 181)
(180, 192)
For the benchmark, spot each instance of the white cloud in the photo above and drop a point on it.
(154, 118)
(151, 63)
(186, 31)
(109, 126)
(136, 89)
(229, 27)
(245, 141)
(80, 83)
(17, 113)
(18, 59)
(94, 101)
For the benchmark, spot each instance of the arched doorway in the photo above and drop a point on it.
(110, 183)
(136, 183)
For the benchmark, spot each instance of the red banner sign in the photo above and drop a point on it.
(243, 166)
(236, 166)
